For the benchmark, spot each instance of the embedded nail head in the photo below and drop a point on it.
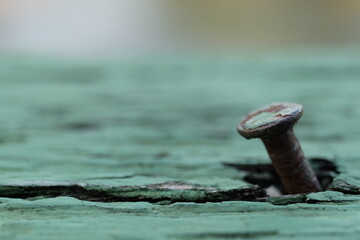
(273, 124)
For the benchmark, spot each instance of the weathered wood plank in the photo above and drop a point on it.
(149, 122)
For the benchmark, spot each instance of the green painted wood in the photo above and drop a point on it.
(149, 122)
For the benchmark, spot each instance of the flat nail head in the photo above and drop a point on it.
(270, 120)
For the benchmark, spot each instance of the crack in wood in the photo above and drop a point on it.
(170, 192)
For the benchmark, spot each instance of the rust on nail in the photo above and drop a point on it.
(273, 124)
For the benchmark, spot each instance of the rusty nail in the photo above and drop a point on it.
(273, 124)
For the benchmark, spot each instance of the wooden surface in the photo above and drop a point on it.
(146, 149)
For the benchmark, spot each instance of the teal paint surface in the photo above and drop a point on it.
(154, 121)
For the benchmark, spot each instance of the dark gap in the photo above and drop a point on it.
(265, 176)
(82, 126)
(231, 235)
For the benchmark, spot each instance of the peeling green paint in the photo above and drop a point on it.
(170, 192)
(346, 184)
(265, 118)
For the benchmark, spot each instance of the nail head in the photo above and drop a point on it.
(270, 120)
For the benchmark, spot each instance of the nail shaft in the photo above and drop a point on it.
(290, 164)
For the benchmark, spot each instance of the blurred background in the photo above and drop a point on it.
(127, 27)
